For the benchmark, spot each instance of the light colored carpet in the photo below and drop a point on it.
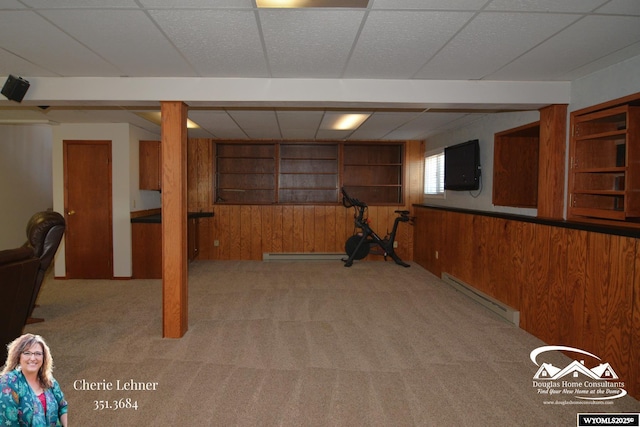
(296, 344)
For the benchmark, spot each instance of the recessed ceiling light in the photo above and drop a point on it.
(341, 121)
(292, 4)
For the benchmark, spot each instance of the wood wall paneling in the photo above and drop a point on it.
(576, 277)
(634, 354)
(617, 305)
(556, 283)
(572, 287)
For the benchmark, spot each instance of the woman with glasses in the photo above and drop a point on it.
(29, 395)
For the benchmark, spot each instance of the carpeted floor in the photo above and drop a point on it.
(294, 344)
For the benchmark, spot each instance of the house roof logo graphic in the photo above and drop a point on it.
(548, 371)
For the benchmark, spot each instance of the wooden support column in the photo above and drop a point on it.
(553, 140)
(174, 220)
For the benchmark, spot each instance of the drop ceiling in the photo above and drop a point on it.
(387, 41)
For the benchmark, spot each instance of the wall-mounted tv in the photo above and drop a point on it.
(462, 166)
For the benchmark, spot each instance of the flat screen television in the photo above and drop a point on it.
(462, 166)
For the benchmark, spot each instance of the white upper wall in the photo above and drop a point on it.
(613, 82)
(25, 179)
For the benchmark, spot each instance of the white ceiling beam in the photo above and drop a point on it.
(295, 92)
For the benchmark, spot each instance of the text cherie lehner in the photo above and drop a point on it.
(128, 385)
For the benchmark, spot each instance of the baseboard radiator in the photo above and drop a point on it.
(509, 314)
(302, 256)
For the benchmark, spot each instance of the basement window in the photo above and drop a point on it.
(434, 174)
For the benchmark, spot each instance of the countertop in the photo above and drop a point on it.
(157, 218)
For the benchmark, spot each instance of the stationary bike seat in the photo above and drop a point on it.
(402, 212)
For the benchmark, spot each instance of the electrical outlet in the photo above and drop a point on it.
(436, 254)
(395, 244)
(216, 243)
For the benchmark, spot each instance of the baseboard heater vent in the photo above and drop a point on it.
(509, 314)
(302, 256)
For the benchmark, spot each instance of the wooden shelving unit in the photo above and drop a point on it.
(374, 173)
(604, 178)
(245, 173)
(308, 173)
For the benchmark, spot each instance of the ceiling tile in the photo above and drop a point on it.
(11, 4)
(575, 47)
(221, 43)
(430, 123)
(622, 7)
(13, 64)
(127, 39)
(381, 124)
(491, 41)
(197, 4)
(80, 4)
(431, 5)
(218, 123)
(401, 42)
(604, 62)
(337, 135)
(257, 123)
(299, 124)
(314, 43)
(574, 6)
(31, 37)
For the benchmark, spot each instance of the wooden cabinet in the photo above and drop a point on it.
(150, 165)
(146, 239)
(374, 173)
(604, 178)
(308, 173)
(146, 248)
(515, 166)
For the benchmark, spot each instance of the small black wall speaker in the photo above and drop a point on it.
(15, 88)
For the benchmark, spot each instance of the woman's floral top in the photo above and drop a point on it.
(19, 405)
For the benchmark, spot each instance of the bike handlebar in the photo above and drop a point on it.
(348, 201)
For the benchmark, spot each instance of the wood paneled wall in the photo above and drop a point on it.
(572, 287)
(245, 232)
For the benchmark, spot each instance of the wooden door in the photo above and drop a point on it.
(88, 209)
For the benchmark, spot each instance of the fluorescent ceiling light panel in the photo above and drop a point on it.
(339, 121)
(292, 4)
(156, 117)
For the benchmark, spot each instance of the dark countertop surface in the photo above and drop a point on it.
(576, 225)
(157, 218)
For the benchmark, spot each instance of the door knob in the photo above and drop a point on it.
(71, 213)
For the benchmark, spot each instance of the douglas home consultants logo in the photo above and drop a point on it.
(597, 381)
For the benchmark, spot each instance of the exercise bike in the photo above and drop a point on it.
(359, 245)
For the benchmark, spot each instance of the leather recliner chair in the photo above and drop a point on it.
(44, 234)
(18, 271)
